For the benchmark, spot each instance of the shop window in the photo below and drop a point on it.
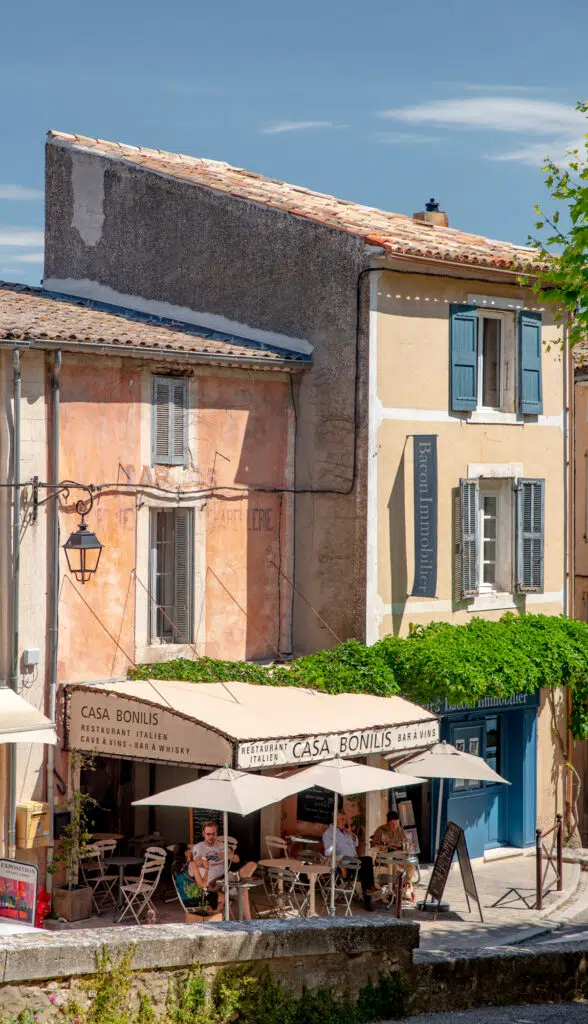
(492, 744)
(468, 740)
(171, 575)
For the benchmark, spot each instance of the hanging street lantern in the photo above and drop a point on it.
(82, 548)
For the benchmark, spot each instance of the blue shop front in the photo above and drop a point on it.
(504, 733)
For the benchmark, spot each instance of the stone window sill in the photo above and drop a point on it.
(493, 601)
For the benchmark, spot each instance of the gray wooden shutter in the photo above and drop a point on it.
(183, 563)
(170, 421)
(530, 535)
(469, 536)
(530, 382)
(463, 343)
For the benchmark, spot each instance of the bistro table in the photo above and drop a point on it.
(121, 863)
(300, 868)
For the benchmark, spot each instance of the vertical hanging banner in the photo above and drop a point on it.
(425, 516)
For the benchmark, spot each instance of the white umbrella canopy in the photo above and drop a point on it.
(444, 761)
(344, 778)
(225, 790)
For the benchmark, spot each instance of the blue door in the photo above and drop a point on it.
(479, 807)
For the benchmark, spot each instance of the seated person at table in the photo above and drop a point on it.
(190, 875)
(392, 837)
(346, 846)
(212, 850)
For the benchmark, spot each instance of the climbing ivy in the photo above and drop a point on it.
(464, 664)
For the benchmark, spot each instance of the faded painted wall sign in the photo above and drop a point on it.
(425, 516)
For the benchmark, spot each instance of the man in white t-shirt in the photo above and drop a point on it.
(212, 850)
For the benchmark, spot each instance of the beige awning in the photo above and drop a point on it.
(20, 722)
(244, 725)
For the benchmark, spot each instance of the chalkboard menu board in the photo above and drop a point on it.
(198, 815)
(453, 842)
(316, 805)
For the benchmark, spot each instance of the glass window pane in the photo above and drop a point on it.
(491, 362)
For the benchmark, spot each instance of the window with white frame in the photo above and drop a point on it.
(496, 357)
(171, 575)
(501, 535)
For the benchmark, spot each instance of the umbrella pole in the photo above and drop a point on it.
(226, 853)
(439, 806)
(334, 854)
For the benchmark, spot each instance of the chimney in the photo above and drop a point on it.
(432, 215)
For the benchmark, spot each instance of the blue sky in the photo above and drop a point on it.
(386, 104)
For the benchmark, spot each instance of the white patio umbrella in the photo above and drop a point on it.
(225, 790)
(443, 761)
(344, 778)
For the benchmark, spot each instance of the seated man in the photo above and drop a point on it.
(212, 850)
(392, 836)
(346, 846)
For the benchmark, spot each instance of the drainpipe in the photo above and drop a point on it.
(569, 552)
(54, 602)
(17, 378)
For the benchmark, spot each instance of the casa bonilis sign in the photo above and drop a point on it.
(362, 742)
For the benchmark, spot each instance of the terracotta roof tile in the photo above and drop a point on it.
(32, 314)
(394, 232)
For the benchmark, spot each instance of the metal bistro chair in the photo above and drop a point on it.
(93, 869)
(286, 894)
(138, 893)
(345, 886)
(276, 847)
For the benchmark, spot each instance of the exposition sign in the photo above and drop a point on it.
(360, 743)
(425, 516)
(117, 726)
(18, 891)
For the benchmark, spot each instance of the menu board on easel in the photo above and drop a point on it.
(453, 842)
(198, 815)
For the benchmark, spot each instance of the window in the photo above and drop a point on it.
(490, 368)
(495, 360)
(501, 536)
(488, 574)
(171, 575)
(169, 430)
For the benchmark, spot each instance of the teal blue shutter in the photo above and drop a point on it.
(530, 383)
(469, 536)
(464, 357)
(530, 535)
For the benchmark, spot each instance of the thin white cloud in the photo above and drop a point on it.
(558, 124)
(28, 257)
(20, 192)
(498, 113)
(406, 138)
(21, 237)
(297, 126)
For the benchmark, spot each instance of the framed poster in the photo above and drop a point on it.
(406, 812)
(18, 891)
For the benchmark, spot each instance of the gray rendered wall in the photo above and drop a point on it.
(174, 242)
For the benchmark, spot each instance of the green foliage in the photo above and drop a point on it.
(515, 654)
(563, 250)
(76, 836)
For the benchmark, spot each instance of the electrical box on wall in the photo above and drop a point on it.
(31, 656)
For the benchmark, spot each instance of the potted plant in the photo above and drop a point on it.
(73, 901)
(199, 911)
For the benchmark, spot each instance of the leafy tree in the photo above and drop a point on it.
(562, 262)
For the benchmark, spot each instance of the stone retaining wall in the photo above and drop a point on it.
(340, 955)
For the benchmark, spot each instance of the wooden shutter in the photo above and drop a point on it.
(170, 421)
(530, 382)
(530, 535)
(469, 536)
(464, 357)
(183, 571)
